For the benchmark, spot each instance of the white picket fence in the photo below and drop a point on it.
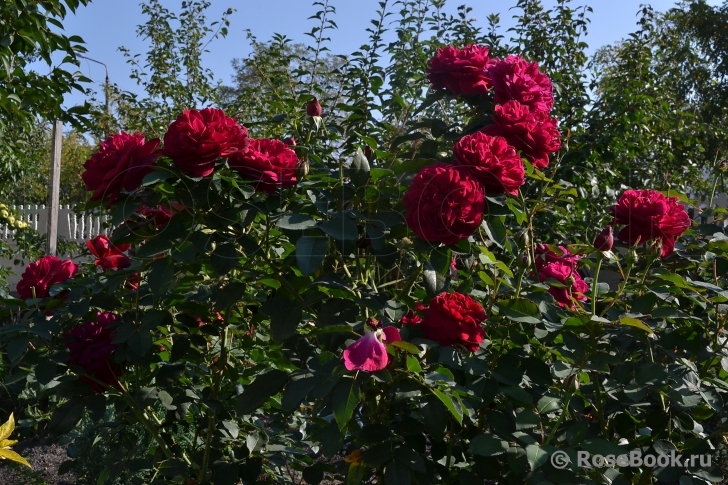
(71, 226)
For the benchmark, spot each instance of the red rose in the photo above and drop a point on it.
(534, 133)
(271, 162)
(491, 161)
(515, 78)
(454, 319)
(313, 108)
(107, 255)
(461, 71)
(121, 163)
(649, 215)
(196, 139)
(43, 273)
(566, 275)
(443, 204)
(90, 348)
(161, 215)
(544, 256)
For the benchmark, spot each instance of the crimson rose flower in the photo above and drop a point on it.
(544, 256)
(443, 204)
(649, 215)
(566, 275)
(271, 162)
(197, 138)
(47, 271)
(461, 71)
(516, 78)
(313, 108)
(534, 133)
(107, 255)
(491, 161)
(90, 347)
(121, 163)
(161, 215)
(454, 319)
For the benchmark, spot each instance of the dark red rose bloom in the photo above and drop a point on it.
(107, 255)
(534, 133)
(196, 139)
(544, 256)
(454, 319)
(605, 240)
(121, 163)
(161, 215)
(47, 271)
(515, 78)
(461, 71)
(271, 162)
(648, 215)
(443, 204)
(90, 347)
(491, 161)
(562, 272)
(313, 108)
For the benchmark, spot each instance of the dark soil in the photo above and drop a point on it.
(44, 458)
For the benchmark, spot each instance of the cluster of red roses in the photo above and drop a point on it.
(445, 202)
(194, 142)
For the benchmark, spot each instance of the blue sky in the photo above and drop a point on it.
(106, 25)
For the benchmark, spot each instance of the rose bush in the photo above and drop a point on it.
(392, 318)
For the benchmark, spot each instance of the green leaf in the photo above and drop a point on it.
(359, 169)
(340, 228)
(296, 222)
(396, 474)
(310, 253)
(344, 400)
(454, 409)
(67, 416)
(536, 456)
(224, 258)
(520, 310)
(229, 295)
(487, 445)
(260, 390)
(406, 346)
(161, 277)
(633, 322)
(284, 317)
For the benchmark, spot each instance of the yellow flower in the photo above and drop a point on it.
(5, 444)
(355, 457)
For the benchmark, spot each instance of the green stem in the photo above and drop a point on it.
(595, 285)
(619, 292)
(221, 363)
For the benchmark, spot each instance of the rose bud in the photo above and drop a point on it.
(302, 170)
(290, 141)
(723, 166)
(605, 240)
(570, 280)
(313, 108)
(525, 260)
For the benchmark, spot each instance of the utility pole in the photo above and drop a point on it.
(107, 90)
(53, 196)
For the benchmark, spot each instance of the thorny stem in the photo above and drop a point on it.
(595, 285)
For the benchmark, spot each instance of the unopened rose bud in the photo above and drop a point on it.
(569, 281)
(290, 141)
(368, 152)
(313, 108)
(302, 170)
(632, 257)
(572, 383)
(525, 260)
(605, 240)
(524, 238)
(723, 166)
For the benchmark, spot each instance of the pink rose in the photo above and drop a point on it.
(514, 78)
(534, 133)
(566, 275)
(271, 162)
(461, 71)
(196, 139)
(121, 163)
(544, 256)
(491, 161)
